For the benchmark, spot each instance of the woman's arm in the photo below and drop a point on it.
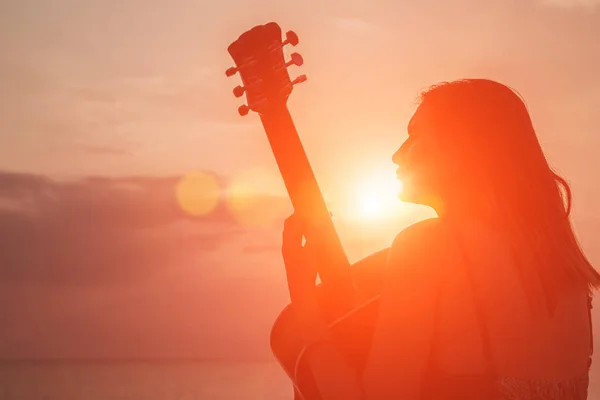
(333, 375)
(400, 354)
(400, 348)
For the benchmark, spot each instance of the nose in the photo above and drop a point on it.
(397, 156)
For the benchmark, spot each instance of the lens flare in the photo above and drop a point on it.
(256, 198)
(197, 193)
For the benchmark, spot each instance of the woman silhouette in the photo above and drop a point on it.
(491, 299)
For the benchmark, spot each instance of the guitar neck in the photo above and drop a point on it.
(303, 190)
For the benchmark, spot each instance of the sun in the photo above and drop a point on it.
(370, 205)
(375, 196)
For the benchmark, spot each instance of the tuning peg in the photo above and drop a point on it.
(299, 79)
(296, 60)
(243, 110)
(238, 91)
(231, 71)
(290, 38)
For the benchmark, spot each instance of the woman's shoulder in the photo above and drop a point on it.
(422, 249)
(431, 235)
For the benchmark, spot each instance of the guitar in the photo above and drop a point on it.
(347, 294)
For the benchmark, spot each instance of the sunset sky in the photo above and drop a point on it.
(106, 105)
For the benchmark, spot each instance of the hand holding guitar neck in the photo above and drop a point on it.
(300, 260)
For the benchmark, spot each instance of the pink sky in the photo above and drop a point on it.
(112, 267)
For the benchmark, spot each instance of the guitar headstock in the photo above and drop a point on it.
(258, 57)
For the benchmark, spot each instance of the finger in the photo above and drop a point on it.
(317, 226)
(314, 250)
(290, 220)
(292, 232)
(310, 254)
(292, 225)
(315, 235)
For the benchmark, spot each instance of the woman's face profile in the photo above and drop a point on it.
(420, 163)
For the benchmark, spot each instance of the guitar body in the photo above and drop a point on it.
(348, 294)
(352, 332)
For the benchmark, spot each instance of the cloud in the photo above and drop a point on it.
(99, 230)
(112, 267)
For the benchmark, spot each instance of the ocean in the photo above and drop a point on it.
(50, 380)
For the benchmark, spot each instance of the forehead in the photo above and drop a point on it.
(419, 122)
(412, 125)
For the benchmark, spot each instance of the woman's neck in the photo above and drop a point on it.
(466, 214)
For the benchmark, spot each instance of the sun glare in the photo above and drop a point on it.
(256, 197)
(376, 196)
(370, 205)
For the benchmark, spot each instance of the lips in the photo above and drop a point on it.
(400, 173)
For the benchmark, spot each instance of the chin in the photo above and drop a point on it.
(415, 197)
(411, 191)
(408, 196)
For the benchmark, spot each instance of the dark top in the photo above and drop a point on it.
(491, 385)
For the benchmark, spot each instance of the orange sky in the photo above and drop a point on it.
(137, 88)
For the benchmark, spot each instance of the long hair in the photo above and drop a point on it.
(487, 131)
